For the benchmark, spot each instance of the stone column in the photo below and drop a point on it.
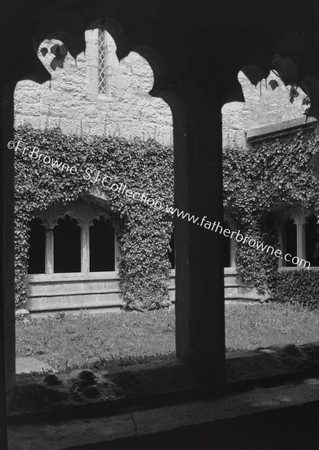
(200, 329)
(116, 252)
(7, 316)
(49, 251)
(85, 248)
(301, 237)
(233, 248)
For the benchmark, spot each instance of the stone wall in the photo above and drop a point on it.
(71, 100)
(263, 106)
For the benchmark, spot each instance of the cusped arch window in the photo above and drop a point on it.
(73, 242)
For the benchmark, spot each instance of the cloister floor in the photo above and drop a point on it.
(100, 340)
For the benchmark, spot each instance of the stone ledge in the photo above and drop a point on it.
(157, 383)
(30, 364)
(249, 414)
(285, 127)
(159, 403)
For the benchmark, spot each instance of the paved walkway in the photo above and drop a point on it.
(29, 364)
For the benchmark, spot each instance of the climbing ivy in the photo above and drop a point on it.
(298, 286)
(270, 175)
(143, 231)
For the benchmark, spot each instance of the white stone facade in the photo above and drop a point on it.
(71, 99)
(263, 106)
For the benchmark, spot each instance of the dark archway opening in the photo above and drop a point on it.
(67, 246)
(102, 251)
(171, 251)
(290, 240)
(312, 241)
(36, 247)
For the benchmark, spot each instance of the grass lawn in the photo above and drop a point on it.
(80, 340)
(251, 326)
(124, 338)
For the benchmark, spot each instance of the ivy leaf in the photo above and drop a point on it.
(306, 101)
(60, 53)
(44, 51)
(286, 68)
(293, 94)
(55, 49)
(57, 62)
(273, 84)
(63, 50)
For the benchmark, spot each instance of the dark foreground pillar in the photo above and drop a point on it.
(7, 317)
(200, 330)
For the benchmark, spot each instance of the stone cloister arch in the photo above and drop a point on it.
(196, 49)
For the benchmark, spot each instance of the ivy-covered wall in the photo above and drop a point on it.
(270, 175)
(143, 231)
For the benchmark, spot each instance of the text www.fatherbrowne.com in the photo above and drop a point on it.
(107, 182)
(254, 243)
